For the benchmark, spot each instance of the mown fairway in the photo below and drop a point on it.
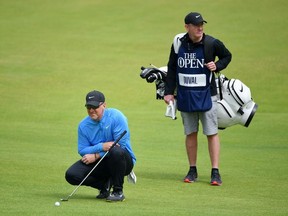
(53, 52)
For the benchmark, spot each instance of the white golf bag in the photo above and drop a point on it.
(234, 105)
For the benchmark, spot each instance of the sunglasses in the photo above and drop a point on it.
(93, 107)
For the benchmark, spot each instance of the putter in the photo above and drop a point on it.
(116, 141)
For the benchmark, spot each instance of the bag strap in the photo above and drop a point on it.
(177, 42)
(220, 85)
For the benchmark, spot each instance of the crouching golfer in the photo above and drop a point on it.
(96, 134)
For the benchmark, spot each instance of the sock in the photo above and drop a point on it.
(193, 168)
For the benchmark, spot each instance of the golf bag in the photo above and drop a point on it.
(234, 105)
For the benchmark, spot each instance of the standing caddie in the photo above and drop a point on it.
(191, 67)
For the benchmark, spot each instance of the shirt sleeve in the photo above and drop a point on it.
(170, 81)
(121, 124)
(84, 146)
(223, 55)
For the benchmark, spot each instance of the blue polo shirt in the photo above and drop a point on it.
(92, 134)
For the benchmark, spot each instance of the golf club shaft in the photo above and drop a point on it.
(116, 141)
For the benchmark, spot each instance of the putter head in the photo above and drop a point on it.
(64, 199)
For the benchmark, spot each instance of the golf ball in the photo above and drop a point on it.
(57, 203)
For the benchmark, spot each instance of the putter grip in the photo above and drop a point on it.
(116, 141)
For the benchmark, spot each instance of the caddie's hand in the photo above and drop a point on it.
(88, 158)
(168, 98)
(211, 66)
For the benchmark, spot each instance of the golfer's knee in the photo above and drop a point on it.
(71, 178)
(117, 153)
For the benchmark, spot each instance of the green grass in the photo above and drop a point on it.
(53, 52)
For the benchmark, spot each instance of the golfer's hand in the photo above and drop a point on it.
(211, 66)
(88, 158)
(107, 146)
(168, 98)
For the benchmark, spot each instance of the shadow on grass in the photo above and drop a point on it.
(77, 196)
(169, 177)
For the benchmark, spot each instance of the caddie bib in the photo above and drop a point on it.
(194, 78)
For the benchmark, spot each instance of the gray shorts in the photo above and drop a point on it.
(208, 120)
